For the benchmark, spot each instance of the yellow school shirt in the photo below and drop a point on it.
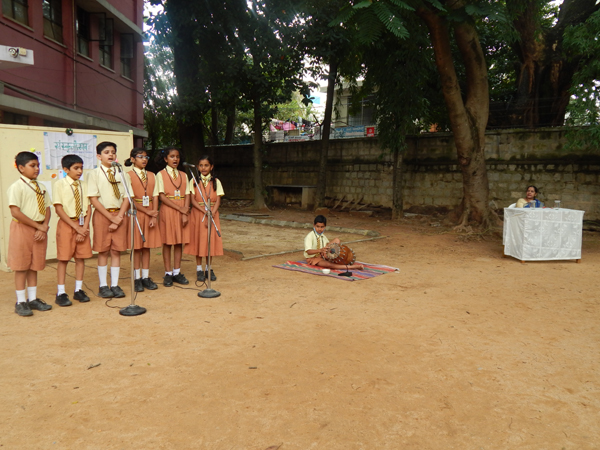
(64, 195)
(161, 185)
(310, 243)
(137, 171)
(99, 186)
(208, 180)
(22, 194)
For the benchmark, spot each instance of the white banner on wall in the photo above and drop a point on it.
(57, 145)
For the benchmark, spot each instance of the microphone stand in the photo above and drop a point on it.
(208, 292)
(133, 309)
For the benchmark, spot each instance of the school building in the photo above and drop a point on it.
(72, 64)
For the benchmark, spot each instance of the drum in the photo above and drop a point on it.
(340, 254)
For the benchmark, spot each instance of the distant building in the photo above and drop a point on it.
(344, 115)
(88, 64)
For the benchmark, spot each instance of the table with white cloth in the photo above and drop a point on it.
(542, 234)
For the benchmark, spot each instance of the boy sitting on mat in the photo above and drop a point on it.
(316, 245)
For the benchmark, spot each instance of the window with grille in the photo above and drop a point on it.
(53, 19)
(82, 24)
(363, 116)
(127, 47)
(106, 56)
(17, 10)
(106, 44)
(13, 119)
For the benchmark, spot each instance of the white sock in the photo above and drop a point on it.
(102, 272)
(207, 267)
(169, 273)
(21, 296)
(176, 272)
(61, 289)
(78, 285)
(32, 293)
(145, 273)
(199, 268)
(137, 274)
(114, 276)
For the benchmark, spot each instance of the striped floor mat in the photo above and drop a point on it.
(370, 270)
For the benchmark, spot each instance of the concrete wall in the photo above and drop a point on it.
(359, 168)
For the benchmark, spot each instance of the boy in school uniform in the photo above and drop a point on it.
(111, 233)
(73, 231)
(316, 246)
(30, 208)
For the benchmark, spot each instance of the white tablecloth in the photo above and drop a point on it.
(543, 233)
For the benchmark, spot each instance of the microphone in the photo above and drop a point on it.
(188, 164)
(115, 164)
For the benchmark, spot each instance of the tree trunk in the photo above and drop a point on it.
(214, 132)
(185, 67)
(230, 126)
(545, 74)
(325, 129)
(259, 198)
(192, 141)
(468, 117)
(397, 196)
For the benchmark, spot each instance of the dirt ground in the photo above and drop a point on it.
(462, 349)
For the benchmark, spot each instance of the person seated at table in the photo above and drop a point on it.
(530, 196)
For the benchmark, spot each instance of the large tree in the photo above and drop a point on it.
(159, 114)
(272, 70)
(468, 111)
(407, 101)
(545, 67)
(452, 22)
(207, 62)
(332, 50)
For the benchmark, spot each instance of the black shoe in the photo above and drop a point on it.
(200, 276)
(138, 286)
(81, 296)
(213, 277)
(105, 292)
(23, 309)
(180, 278)
(63, 300)
(117, 292)
(40, 305)
(168, 280)
(149, 284)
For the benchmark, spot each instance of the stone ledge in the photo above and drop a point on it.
(283, 223)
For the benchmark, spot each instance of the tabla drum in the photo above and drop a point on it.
(340, 254)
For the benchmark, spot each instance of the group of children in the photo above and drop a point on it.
(180, 221)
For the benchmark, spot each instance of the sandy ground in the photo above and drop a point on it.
(463, 349)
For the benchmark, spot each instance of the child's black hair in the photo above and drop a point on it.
(212, 172)
(160, 157)
(68, 160)
(320, 219)
(134, 152)
(23, 158)
(102, 145)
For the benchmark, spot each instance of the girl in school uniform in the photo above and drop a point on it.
(212, 191)
(173, 191)
(145, 196)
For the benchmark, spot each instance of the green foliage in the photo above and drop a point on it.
(159, 114)
(584, 108)
(406, 86)
(372, 18)
(294, 109)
